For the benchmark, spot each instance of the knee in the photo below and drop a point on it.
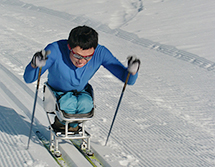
(85, 104)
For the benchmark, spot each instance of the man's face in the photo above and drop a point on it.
(86, 54)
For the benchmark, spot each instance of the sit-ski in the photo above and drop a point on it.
(51, 107)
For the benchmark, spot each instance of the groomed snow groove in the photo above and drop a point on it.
(10, 141)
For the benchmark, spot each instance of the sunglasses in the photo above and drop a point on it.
(81, 57)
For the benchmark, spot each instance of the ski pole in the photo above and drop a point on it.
(126, 81)
(35, 101)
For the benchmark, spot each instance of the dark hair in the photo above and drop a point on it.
(83, 36)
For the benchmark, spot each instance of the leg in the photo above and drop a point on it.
(84, 104)
(68, 103)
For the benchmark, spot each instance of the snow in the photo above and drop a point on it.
(165, 119)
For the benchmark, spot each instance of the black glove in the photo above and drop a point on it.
(39, 58)
(133, 64)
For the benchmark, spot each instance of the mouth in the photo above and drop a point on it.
(79, 64)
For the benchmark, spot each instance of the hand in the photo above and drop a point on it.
(133, 64)
(39, 58)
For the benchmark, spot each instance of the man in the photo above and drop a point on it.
(71, 64)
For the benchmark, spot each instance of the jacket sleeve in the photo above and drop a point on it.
(30, 74)
(113, 65)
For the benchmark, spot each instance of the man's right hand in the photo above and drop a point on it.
(39, 58)
(133, 64)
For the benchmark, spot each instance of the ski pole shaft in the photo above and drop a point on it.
(34, 107)
(117, 108)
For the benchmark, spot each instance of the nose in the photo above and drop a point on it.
(81, 60)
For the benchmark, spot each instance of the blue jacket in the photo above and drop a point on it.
(64, 76)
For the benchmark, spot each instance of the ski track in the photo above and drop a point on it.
(164, 115)
(9, 141)
(14, 126)
(129, 11)
(12, 144)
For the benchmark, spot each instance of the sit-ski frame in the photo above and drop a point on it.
(51, 107)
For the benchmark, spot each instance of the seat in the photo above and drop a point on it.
(51, 107)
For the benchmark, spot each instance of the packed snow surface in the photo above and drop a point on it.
(165, 119)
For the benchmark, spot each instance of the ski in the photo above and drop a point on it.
(59, 159)
(91, 157)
